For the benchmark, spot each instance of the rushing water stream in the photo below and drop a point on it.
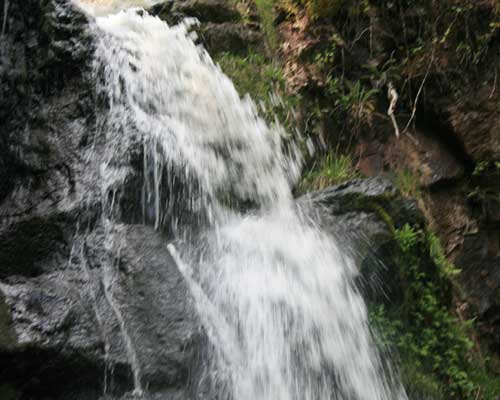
(275, 294)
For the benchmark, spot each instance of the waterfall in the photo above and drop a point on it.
(276, 295)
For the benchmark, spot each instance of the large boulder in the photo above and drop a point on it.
(222, 27)
(74, 317)
(217, 11)
(362, 215)
(231, 37)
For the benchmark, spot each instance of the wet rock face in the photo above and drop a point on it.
(63, 321)
(158, 310)
(60, 335)
(361, 214)
(38, 56)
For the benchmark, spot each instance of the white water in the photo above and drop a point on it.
(275, 294)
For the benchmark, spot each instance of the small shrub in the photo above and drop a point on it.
(408, 184)
(266, 12)
(432, 343)
(331, 170)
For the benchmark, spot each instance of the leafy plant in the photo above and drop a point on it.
(433, 343)
(266, 12)
(332, 170)
(436, 251)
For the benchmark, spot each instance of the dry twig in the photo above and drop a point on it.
(415, 102)
(392, 95)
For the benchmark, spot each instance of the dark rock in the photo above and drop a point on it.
(157, 307)
(62, 321)
(479, 261)
(54, 332)
(32, 245)
(217, 11)
(375, 195)
(476, 123)
(221, 28)
(425, 154)
(361, 215)
(230, 37)
(65, 319)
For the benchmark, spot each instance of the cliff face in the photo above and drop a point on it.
(440, 59)
(66, 332)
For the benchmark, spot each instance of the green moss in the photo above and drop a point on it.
(252, 74)
(419, 385)
(445, 267)
(7, 392)
(384, 206)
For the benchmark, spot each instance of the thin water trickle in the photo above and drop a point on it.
(275, 294)
(4, 19)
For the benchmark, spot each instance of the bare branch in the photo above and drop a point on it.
(392, 95)
(415, 102)
(494, 85)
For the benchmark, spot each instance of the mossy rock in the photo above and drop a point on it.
(363, 215)
(236, 38)
(376, 195)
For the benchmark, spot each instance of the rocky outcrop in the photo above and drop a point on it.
(476, 122)
(216, 11)
(222, 26)
(74, 313)
(67, 319)
(362, 214)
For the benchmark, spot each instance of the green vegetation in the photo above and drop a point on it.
(446, 268)
(266, 12)
(434, 346)
(262, 79)
(253, 74)
(407, 183)
(330, 171)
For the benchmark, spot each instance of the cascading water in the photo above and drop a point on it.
(275, 294)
